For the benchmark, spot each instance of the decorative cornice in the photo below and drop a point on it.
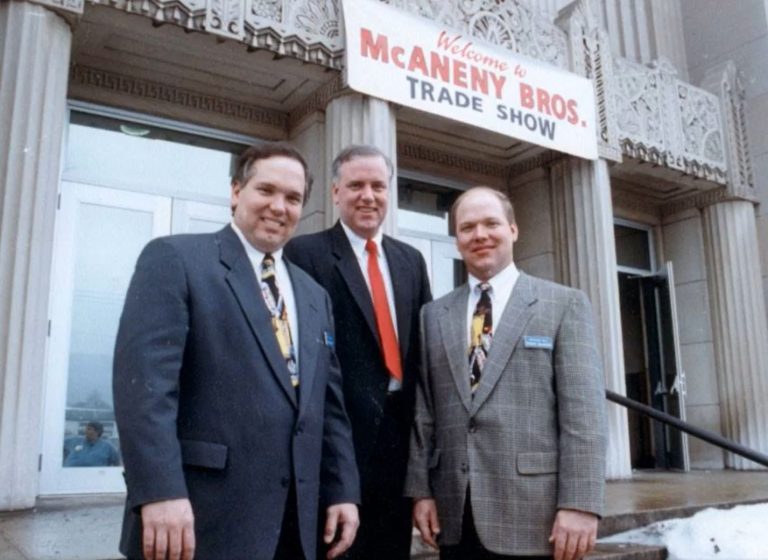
(317, 101)
(181, 97)
(702, 200)
(71, 10)
(447, 159)
(665, 158)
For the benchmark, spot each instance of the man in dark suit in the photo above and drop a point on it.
(508, 448)
(377, 286)
(227, 390)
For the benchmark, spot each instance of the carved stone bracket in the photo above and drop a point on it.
(318, 101)
(727, 83)
(590, 56)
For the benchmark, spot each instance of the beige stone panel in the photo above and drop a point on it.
(533, 213)
(542, 266)
(700, 376)
(693, 312)
(705, 455)
(309, 139)
(757, 124)
(683, 244)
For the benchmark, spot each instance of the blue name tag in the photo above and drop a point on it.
(538, 342)
(328, 339)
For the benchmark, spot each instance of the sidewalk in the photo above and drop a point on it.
(88, 527)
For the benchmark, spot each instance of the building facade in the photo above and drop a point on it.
(119, 120)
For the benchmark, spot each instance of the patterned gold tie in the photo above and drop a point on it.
(481, 335)
(276, 305)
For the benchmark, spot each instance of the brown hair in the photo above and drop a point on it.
(244, 169)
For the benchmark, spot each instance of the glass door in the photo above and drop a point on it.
(99, 235)
(100, 232)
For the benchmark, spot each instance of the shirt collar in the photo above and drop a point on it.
(358, 243)
(253, 253)
(506, 277)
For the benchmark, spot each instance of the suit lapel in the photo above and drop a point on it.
(399, 273)
(307, 314)
(242, 281)
(346, 263)
(512, 323)
(452, 320)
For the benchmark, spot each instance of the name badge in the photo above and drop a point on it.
(538, 342)
(328, 339)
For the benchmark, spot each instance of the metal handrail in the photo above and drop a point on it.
(701, 433)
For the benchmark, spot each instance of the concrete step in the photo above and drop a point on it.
(601, 552)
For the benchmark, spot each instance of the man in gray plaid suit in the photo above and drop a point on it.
(508, 446)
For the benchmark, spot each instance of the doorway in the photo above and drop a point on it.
(654, 375)
(124, 183)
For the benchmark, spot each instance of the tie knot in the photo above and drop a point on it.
(484, 287)
(268, 261)
(370, 246)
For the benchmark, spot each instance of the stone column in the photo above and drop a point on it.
(359, 119)
(586, 251)
(739, 325)
(35, 46)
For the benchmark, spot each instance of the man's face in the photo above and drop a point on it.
(362, 194)
(484, 235)
(268, 206)
(91, 434)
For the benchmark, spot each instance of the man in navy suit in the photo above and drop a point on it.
(377, 285)
(227, 389)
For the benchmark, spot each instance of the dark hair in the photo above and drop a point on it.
(266, 150)
(97, 426)
(506, 204)
(355, 151)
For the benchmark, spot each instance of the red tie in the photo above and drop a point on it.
(384, 323)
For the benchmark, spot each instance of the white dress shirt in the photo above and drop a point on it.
(283, 283)
(358, 248)
(500, 292)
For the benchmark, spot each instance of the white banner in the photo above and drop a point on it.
(409, 60)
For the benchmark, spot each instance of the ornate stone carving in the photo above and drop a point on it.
(304, 29)
(189, 14)
(727, 83)
(665, 121)
(225, 18)
(591, 57)
(96, 78)
(511, 25)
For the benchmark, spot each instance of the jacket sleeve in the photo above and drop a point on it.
(581, 410)
(147, 364)
(340, 480)
(422, 435)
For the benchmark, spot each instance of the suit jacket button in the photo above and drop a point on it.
(464, 468)
(285, 481)
(472, 426)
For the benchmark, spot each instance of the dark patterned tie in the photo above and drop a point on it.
(277, 309)
(481, 335)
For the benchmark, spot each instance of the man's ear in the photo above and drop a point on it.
(513, 229)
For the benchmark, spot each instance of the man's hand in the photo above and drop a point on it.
(341, 517)
(425, 519)
(574, 533)
(169, 530)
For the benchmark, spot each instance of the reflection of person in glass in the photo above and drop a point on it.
(90, 450)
